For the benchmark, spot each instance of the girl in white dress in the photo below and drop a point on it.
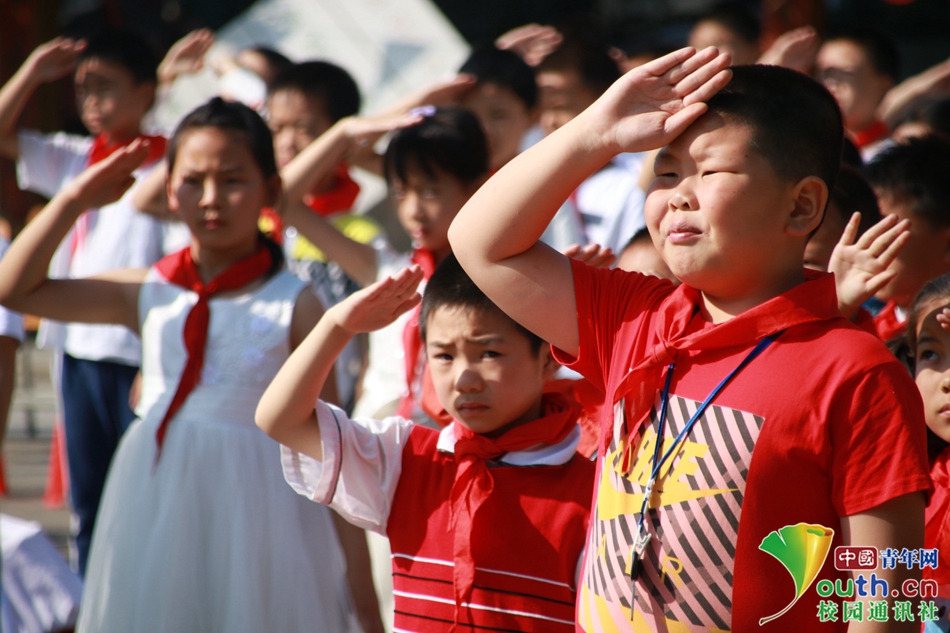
(197, 530)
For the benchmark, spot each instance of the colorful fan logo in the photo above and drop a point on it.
(802, 549)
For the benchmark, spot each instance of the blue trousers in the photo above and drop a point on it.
(96, 414)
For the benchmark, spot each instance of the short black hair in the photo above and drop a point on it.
(738, 17)
(278, 61)
(489, 64)
(588, 59)
(329, 83)
(642, 235)
(880, 48)
(450, 140)
(851, 193)
(126, 49)
(450, 286)
(915, 173)
(794, 121)
(235, 116)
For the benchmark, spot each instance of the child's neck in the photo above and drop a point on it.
(718, 309)
(211, 262)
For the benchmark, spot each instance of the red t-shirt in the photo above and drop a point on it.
(824, 423)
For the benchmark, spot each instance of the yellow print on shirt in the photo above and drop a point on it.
(671, 486)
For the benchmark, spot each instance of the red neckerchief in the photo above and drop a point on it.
(812, 300)
(937, 518)
(179, 269)
(474, 484)
(104, 146)
(415, 367)
(888, 324)
(871, 134)
(340, 197)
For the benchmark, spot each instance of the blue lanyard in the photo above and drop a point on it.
(641, 540)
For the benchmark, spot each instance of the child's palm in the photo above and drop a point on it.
(380, 304)
(651, 105)
(106, 181)
(861, 267)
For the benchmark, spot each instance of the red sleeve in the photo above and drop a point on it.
(608, 301)
(878, 441)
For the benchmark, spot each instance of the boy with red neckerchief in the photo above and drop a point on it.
(486, 518)
(771, 408)
(115, 86)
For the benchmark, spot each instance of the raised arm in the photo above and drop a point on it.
(47, 62)
(313, 164)
(286, 410)
(495, 234)
(861, 267)
(108, 298)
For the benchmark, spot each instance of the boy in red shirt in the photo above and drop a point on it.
(486, 518)
(772, 409)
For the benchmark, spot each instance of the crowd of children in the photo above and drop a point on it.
(544, 439)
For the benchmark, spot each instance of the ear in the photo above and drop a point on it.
(809, 197)
(145, 95)
(274, 189)
(550, 365)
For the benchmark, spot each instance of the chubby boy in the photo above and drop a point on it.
(486, 519)
(778, 419)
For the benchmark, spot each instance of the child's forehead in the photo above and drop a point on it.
(448, 321)
(712, 132)
(928, 312)
(99, 67)
(495, 92)
(294, 98)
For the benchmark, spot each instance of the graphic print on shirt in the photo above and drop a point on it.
(686, 570)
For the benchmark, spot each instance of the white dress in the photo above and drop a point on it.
(212, 539)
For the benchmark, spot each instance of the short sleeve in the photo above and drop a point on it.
(46, 163)
(878, 441)
(611, 306)
(362, 461)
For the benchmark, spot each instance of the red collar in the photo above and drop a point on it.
(871, 134)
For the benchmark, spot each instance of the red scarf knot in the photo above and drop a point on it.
(813, 300)
(180, 269)
(474, 483)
